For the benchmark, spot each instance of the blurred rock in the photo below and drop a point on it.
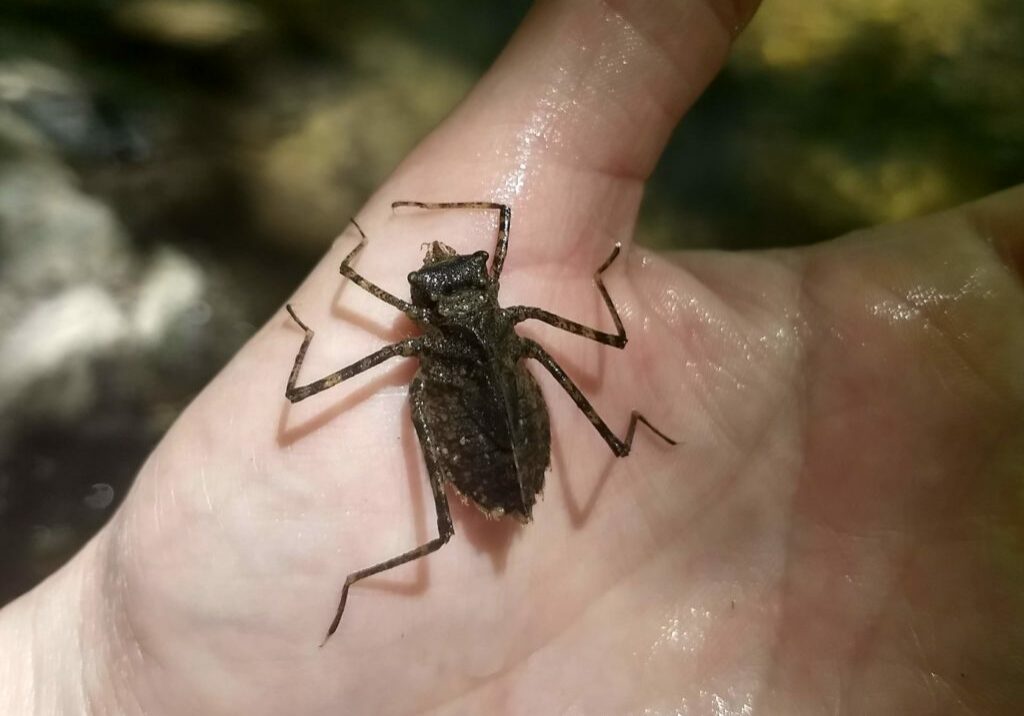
(76, 295)
(75, 290)
(798, 34)
(59, 113)
(197, 24)
(321, 145)
(171, 287)
(102, 339)
(52, 235)
(100, 497)
(42, 355)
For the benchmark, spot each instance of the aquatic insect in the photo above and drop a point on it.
(479, 414)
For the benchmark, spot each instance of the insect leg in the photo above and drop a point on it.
(504, 224)
(445, 529)
(350, 273)
(445, 532)
(617, 339)
(532, 349)
(295, 393)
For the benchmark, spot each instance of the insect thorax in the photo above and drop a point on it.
(445, 274)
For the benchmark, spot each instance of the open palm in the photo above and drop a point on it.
(837, 531)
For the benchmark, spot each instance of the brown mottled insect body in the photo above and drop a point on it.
(489, 425)
(479, 414)
(477, 403)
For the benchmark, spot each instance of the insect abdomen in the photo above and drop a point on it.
(491, 433)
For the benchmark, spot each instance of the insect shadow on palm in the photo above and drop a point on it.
(479, 414)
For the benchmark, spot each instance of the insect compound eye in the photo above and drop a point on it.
(480, 264)
(418, 290)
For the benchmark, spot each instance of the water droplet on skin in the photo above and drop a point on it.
(101, 496)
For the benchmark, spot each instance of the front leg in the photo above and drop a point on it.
(504, 224)
(413, 312)
(407, 348)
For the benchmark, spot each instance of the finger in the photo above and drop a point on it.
(579, 107)
(1000, 219)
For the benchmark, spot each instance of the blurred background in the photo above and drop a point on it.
(170, 169)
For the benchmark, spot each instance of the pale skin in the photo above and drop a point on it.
(839, 530)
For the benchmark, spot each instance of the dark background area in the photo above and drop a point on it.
(171, 169)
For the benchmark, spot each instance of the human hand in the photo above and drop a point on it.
(839, 529)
